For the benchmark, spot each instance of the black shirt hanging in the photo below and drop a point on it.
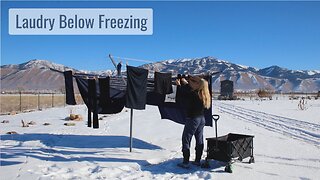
(136, 95)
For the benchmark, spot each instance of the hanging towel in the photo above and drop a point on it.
(68, 81)
(136, 94)
(163, 83)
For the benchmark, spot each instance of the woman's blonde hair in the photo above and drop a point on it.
(204, 94)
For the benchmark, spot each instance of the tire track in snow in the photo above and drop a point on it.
(301, 130)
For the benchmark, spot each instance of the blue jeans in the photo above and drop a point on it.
(193, 126)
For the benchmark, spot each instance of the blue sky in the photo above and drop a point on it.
(257, 34)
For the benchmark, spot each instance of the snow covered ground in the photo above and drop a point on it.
(286, 144)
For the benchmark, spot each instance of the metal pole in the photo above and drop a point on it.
(115, 66)
(131, 116)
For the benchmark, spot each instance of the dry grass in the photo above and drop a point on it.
(13, 102)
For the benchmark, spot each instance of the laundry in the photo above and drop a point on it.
(136, 95)
(101, 100)
(104, 85)
(93, 103)
(155, 99)
(178, 114)
(177, 111)
(106, 96)
(68, 81)
(108, 103)
(163, 83)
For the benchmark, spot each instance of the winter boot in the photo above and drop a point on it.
(186, 156)
(199, 151)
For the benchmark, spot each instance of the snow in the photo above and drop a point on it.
(286, 144)
(243, 66)
(269, 70)
(313, 72)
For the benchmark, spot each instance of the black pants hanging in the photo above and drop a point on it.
(68, 81)
(93, 104)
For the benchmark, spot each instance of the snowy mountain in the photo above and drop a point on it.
(34, 75)
(38, 75)
(245, 78)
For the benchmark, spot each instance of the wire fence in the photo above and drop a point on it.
(22, 102)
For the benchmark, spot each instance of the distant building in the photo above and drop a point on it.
(226, 89)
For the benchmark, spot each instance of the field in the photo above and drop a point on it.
(286, 143)
(16, 103)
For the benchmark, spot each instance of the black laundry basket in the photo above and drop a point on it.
(229, 147)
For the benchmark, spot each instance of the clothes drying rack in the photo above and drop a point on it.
(120, 83)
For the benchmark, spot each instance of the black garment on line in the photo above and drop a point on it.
(136, 95)
(155, 99)
(163, 83)
(193, 104)
(111, 100)
(93, 104)
(177, 111)
(68, 82)
(104, 85)
(114, 104)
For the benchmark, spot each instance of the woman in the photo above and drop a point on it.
(197, 95)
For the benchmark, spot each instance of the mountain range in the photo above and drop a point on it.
(40, 75)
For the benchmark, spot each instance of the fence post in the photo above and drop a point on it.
(20, 101)
(52, 100)
(38, 100)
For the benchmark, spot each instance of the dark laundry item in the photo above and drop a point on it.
(177, 111)
(104, 85)
(178, 97)
(172, 111)
(191, 101)
(155, 99)
(68, 81)
(93, 102)
(181, 100)
(136, 95)
(100, 98)
(111, 100)
(163, 83)
(114, 104)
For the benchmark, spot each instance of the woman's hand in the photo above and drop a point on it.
(178, 82)
(184, 81)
